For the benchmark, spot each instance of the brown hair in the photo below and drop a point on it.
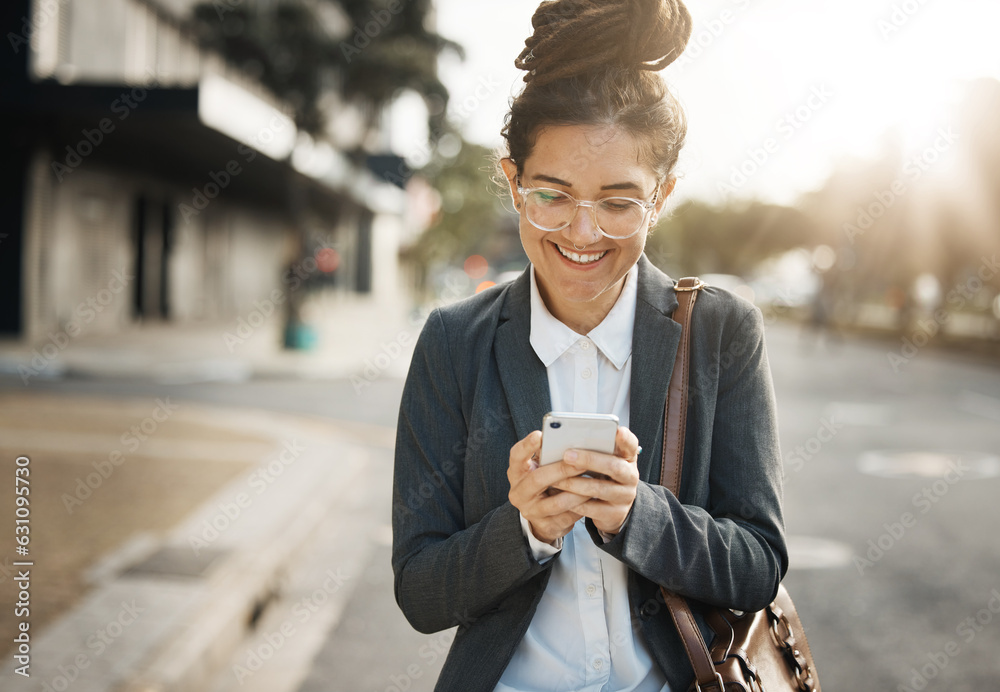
(592, 62)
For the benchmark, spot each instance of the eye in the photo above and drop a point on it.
(550, 197)
(617, 205)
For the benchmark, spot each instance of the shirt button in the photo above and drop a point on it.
(586, 374)
(591, 589)
(598, 663)
(584, 345)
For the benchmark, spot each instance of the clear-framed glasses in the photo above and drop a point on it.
(553, 210)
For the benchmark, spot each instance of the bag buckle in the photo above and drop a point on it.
(718, 681)
(696, 285)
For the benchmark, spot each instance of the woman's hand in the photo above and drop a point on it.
(551, 515)
(611, 498)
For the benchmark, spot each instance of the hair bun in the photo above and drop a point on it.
(574, 37)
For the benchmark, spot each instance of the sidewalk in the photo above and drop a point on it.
(356, 337)
(152, 560)
(163, 531)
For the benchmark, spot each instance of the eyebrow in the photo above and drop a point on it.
(558, 181)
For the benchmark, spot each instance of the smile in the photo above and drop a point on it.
(578, 258)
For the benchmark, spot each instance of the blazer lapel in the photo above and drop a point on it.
(655, 339)
(522, 374)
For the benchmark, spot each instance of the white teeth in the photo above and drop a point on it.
(580, 259)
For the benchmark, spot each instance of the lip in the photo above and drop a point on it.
(580, 267)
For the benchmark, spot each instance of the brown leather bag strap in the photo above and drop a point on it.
(705, 674)
(674, 426)
(675, 415)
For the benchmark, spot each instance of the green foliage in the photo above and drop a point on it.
(472, 219)
(699, 238)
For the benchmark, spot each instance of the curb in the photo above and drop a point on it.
(172, 616)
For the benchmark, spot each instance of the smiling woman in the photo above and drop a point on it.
(580, 267)
(552, 571)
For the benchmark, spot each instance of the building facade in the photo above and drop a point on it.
(145, 179)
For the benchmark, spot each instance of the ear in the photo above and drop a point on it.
(665, 189)
(510, 172)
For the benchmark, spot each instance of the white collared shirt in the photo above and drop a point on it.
(582, 636)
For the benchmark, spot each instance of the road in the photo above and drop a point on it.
(890, 499)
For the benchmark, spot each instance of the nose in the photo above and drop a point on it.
(583, 231)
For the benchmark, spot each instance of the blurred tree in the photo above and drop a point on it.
(699, 238)
(365, 51)
(472, 219)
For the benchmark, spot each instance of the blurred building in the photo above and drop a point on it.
(146, 179)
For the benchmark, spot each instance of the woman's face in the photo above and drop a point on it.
(590, 162)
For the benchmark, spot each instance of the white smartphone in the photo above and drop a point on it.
(565, 431)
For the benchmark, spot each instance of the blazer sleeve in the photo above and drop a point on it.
(446, 572)
(732, 553)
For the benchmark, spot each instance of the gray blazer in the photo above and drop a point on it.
(475, 387)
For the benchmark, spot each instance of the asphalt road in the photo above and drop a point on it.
(890, 499)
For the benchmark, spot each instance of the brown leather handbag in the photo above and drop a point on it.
(765, 651)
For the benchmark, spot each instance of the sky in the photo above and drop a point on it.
(776, 91)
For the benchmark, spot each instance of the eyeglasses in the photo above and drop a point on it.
(554, 210)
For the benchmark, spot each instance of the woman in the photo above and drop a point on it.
(559, 590)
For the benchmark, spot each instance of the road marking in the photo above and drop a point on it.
(928, 464)
(859, 413)
(810, 552)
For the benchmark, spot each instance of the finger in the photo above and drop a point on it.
(548, 475)
(607, 490)
(527, 447)
(626, 444)
(520, 461)
(606, 517)
(553, 505)
(530, 486)
(616, 468)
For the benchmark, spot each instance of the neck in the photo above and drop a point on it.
(581, 317)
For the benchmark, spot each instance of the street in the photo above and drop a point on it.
(892, 476)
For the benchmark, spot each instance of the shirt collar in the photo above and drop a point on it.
(550, 338)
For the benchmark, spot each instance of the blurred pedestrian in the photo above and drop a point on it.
(559, 590)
